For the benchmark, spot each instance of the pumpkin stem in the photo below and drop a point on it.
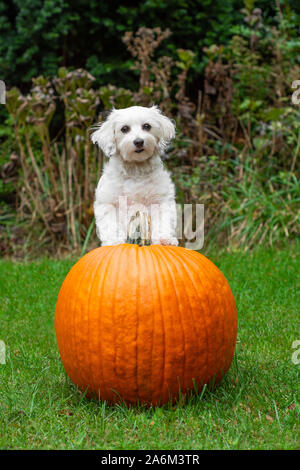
(139, 229)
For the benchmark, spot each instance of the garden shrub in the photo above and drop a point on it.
(38, 37)
(236, 149)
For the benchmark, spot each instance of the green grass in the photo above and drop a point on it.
(255, 407)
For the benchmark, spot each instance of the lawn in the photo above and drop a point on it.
(255, 407)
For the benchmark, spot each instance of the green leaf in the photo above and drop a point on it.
(273, 114)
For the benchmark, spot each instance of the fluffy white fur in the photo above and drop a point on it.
(134, 139)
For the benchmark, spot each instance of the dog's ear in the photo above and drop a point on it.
(104, 136)
(167, 126)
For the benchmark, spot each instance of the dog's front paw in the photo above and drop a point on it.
(166, 241)
(169, 241)
(112, 242)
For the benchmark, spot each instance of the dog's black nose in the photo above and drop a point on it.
(138, 143)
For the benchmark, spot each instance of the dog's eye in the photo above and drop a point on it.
(125, 129)
(146, 127)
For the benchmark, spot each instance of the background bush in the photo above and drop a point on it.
(39, 36)
(224, 73)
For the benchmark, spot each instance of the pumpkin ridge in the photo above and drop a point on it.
(206, 269)
(148, 254)
(162, 255)
(162, 318)
(182, 264)
(76, 343)
(222, 306)
(138, 297)
(88, 353)
(211, 267)
(202, 303)
(118, 280)
(106, 259)
(225, 300)
(87, 359)
(230, 302)
(83, 310)
(72, 320)
(148, 257)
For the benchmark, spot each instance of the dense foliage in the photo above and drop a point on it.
(238, 132)
(39, 36)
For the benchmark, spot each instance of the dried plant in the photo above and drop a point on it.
(218, 93)
(58, 177)
(142, 47)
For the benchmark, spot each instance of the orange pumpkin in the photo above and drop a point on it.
(145, 323)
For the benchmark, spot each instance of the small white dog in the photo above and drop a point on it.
(134, 139)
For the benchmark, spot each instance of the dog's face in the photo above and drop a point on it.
(136, 133)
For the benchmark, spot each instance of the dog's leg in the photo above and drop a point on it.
(164, 221)
(107, 228)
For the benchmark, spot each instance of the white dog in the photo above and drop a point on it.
(134, 179)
